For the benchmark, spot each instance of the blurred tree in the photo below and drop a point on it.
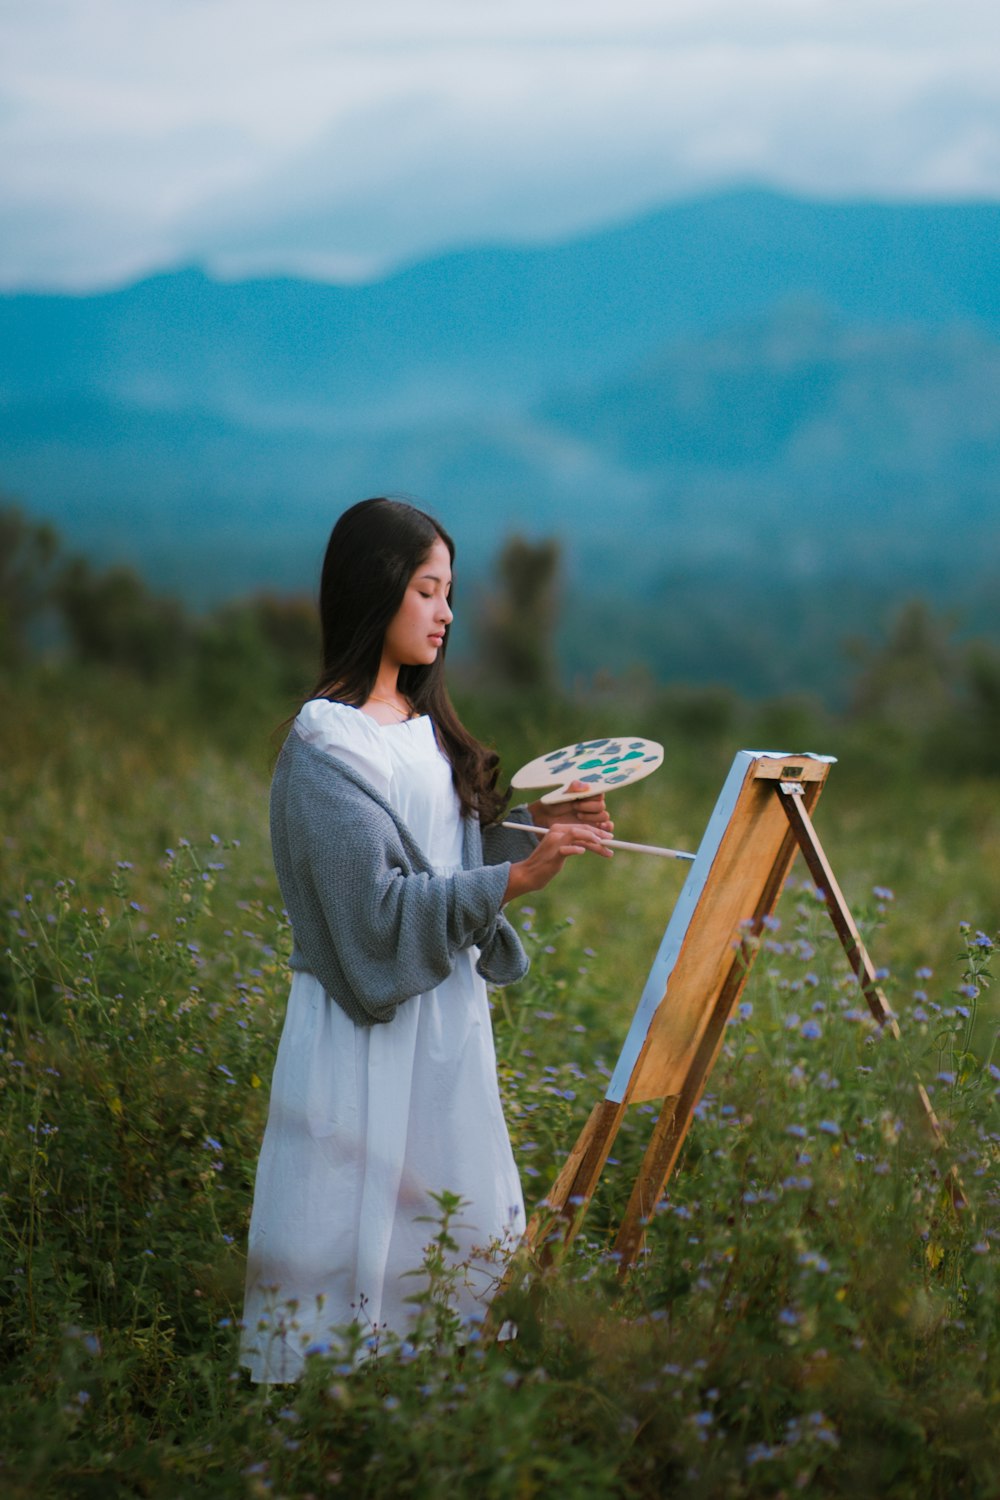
(255, 653)
(112, 617)
(932, 691)
(974, 741)
(28, 554)
(913, 679)
(517, 626)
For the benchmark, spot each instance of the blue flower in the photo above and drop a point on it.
(759, 1453)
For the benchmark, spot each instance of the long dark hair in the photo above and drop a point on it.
(374, 550)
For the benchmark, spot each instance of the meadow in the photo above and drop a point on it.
(811, 1316)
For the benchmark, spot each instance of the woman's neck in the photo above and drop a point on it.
(385, 702)
(386, 684)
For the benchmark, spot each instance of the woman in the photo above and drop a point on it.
(395, 876)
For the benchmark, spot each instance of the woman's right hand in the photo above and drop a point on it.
(560, 843)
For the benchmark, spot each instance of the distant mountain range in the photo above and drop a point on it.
(754, 421)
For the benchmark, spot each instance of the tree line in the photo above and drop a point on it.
(920, 685)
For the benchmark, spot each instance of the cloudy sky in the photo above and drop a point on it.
(343, 137)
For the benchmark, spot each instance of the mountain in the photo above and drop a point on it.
(462, 330)
(745, 408)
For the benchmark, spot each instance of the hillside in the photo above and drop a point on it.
(746, 406)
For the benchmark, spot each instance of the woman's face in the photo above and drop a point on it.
(416, 631)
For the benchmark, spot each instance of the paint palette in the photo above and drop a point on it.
(602, 764)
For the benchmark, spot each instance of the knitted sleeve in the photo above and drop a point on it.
(501, 844)
(394, 931)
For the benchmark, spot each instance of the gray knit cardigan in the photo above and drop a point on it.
(370, 917)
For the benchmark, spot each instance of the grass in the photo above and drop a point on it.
(811, 1317)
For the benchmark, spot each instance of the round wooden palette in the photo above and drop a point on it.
(602, 764)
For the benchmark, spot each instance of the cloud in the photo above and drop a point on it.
(307, 135)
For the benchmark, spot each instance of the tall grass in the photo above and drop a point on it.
(811, 1314)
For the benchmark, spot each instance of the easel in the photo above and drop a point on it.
(763, 817)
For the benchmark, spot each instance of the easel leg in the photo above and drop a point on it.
(670, 1130)
(572, 1190)
(557, 1219)
(657, 1164)
(790, 794)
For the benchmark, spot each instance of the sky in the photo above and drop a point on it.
(343, 138)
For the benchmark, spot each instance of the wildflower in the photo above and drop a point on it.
(883, 893)
(799, 1131)
(969, 991)
(829, 1127)
(924, 973)
(788, 1317)
(982, 941)
(759, 1453)
(811, 1031)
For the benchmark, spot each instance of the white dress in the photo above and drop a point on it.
(366, 1123)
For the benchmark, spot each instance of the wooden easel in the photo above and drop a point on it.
(762, 819)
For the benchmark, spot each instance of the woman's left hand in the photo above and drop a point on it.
(590, 811)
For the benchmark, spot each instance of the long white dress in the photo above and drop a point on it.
(366, 1123)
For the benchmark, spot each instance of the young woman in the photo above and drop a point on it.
(395, 874)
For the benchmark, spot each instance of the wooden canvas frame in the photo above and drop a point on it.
(762, 818)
